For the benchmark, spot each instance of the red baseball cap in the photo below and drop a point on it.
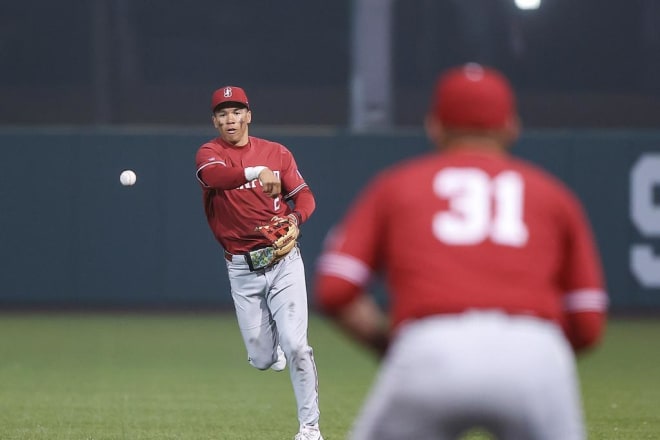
(229, 94)
(473, 96)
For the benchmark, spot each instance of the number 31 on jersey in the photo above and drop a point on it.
(481, 207)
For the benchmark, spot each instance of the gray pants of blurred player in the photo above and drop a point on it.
(512, 376)
(271, 307)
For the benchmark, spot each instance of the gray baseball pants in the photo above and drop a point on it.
(271, 307)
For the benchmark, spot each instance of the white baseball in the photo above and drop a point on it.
(128, 177)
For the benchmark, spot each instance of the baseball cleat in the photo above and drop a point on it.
(309, 432)
(280, 364)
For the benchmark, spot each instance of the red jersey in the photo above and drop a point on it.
(466, 229)
(235, 207)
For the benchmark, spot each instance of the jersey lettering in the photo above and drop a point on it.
(480, 207)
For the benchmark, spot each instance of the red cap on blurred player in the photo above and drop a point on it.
(229, 94)
(473, 96)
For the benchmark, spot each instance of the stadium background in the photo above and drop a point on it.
(90, 88)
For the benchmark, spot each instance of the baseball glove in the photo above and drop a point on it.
(282, 233)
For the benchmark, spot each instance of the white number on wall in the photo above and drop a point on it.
(480, 207)
(645, 214)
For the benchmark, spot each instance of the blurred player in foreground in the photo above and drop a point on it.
(493, 277)
(246, 183)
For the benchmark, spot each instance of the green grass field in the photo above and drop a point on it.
(185, 376)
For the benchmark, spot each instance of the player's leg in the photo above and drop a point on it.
(396, 406)
(518, 379)
(255, 322)
(287, 300)
(549, 398)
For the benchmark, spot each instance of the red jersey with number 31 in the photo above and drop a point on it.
(462, 230)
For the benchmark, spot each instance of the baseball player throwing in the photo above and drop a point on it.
(254, 199)
(493, 276)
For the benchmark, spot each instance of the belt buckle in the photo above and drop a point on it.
(260, 258)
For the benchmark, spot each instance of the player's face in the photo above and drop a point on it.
(232, 124)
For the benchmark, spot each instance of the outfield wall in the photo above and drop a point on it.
(71, 235)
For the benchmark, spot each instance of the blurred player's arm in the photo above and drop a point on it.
(585, 301)
(354, 312)
(584, 329)
(352, 253)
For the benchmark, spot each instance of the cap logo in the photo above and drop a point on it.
(227, 92)
(473, 71)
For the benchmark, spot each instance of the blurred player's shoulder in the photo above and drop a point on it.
(543, 186)
(536, 174)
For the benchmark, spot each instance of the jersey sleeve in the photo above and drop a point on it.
(292, 180)
(214, 171)
(295, 189)
(351, 253)
(581, 277)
